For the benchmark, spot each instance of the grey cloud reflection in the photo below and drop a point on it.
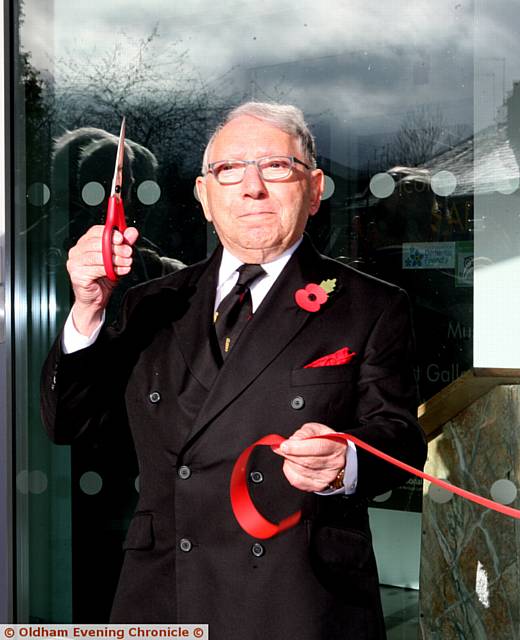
(297, 29)
(361, 60)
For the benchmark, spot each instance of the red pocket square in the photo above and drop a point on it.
(341, 356)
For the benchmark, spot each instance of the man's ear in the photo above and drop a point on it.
(202, 192)
(317, 186)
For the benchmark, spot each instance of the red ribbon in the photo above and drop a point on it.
(254, 523)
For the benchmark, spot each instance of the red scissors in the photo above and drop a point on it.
(115, 210)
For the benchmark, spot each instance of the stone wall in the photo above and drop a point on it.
(470, 560)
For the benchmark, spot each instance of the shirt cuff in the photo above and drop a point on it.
(350, 477)
(72, 340)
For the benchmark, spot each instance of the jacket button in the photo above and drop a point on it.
(154, 397)
(185, 545)
(257, 550)
(184, 472)
(256, 476)
(298, 402)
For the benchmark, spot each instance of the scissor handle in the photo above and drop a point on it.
(115, 220)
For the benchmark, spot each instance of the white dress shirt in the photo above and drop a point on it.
(259, 288)
(73, 341)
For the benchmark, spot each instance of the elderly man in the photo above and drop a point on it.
(213, 357)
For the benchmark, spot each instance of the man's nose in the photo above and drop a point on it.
(253, 184)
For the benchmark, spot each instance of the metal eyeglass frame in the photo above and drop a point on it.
(244, 163)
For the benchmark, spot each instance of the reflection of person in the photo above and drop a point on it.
(87, 155)
(193, 405)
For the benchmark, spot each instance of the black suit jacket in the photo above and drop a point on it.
(186, 558)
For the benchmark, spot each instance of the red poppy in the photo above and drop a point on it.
(311, 298)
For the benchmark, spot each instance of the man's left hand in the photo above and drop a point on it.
(311, 465)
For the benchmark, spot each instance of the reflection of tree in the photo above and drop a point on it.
(34, 88)
(166, 104)
(424, 133)
(168, 108)
(35, 120)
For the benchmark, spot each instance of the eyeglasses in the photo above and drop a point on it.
(270, 168)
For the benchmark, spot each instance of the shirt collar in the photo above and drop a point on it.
(229, 263)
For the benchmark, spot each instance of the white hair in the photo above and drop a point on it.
(285, 117)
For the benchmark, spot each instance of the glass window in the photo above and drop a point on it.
(403, 107)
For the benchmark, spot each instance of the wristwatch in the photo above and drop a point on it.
(338, 482)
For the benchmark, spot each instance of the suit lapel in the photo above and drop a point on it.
(275, 323)
(193, 329)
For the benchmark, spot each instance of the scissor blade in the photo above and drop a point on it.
(117, 182)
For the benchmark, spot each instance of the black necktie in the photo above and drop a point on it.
(236, 308)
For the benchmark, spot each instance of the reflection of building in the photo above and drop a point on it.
(466, 550)
(468, 189)
(375, 234)
(346, 183)
(487, 174)
(484, 168)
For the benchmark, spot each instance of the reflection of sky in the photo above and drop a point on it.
(360, 65)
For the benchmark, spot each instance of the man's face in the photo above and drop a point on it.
(258, 220)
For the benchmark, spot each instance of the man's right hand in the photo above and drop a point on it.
(92, 288)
